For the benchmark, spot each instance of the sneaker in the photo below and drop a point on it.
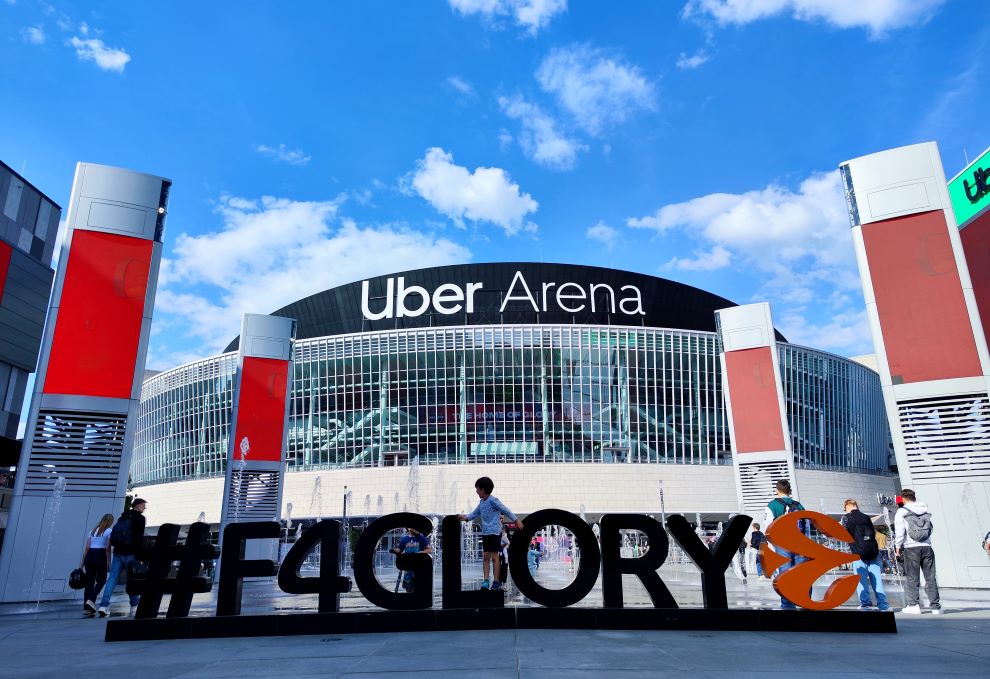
(90, 607)
(937, 611)
(497, 586)
(865, 607)
(485, 584)
(912, 610)
(104, 611)
(89, 614)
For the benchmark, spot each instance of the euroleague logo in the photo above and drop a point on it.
(795, 584)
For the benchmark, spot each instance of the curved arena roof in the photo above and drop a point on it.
(504, 293)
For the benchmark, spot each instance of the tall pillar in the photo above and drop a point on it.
(79, 438)
(259, 424)
(754, 400)
(930, 346)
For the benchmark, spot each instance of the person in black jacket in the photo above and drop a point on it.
(869, 567)
(126, 539)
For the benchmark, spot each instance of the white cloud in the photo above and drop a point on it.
(461, 85)
(716, 258)
(34, 35)
(531, 15)
(485, 195)
(876, 15)
(685, 62)
(794, 247)
(285, 155)
(273, 251)
(106, 58)
(603, 233)
(594, 88)
(539, 137)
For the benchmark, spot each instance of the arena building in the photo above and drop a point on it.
(582, 388)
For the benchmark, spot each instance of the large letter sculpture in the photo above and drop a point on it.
(77, 449)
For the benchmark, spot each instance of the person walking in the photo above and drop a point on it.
(126, 538)
(96, 562)
(756, 539)
(869, 566)
(913, 538)
(776, 508)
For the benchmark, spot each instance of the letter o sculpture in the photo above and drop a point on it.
(588, 567)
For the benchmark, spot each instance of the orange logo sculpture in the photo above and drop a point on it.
(795, 584)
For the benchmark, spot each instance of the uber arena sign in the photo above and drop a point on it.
(403, 301)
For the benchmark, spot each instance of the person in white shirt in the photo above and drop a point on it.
(913, 539)
(96, 562)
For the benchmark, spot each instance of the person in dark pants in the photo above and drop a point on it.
(126, 545)
(913, 538)
(96, 563)
(780, 505)
(865, 546)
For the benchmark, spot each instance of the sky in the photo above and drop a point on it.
(313, 144)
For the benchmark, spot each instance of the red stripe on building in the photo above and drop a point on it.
(923, 317)
(976, 246)
(100, 312)
(261, 410)
(5, 251)
(753, 396)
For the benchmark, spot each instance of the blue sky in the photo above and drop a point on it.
(313, 144)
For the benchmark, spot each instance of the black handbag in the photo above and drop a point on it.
(77, 579)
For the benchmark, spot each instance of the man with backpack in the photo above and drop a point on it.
(126, 539)
(913, 538)
(864, 535)
(780, 505)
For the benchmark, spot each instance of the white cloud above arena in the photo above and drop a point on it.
(269, 252)
(878, 16)
(794, 246)
(530, 15)
(485, 195)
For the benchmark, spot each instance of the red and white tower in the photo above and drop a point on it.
(754, 400)
(930, 346)
(80, 430)
(259, 421)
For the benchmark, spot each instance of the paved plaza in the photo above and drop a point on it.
(52, 639)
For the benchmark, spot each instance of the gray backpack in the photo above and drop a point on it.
(919, 527)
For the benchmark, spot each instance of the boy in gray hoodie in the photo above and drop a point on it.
(913, 539)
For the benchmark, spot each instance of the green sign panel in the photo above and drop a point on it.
(970, 190)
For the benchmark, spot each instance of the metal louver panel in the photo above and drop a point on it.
(946, 437)
(84, 448)
(757, 480)
(253, 495)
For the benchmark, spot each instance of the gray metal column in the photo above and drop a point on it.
(259, 425)
(79, 438)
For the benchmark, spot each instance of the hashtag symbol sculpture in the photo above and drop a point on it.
(185, 583)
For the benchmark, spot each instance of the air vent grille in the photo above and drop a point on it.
(253, 495)
(757, 480)
(947, 437)
(84, 448)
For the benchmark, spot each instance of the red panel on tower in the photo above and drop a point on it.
(5, 252)
(753, 395)
(926, 329)
(976, 245)
(100, 312)
(261, 410)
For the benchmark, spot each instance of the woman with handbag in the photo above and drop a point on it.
(96, 562)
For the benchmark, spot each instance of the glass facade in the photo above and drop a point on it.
(509, 393)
